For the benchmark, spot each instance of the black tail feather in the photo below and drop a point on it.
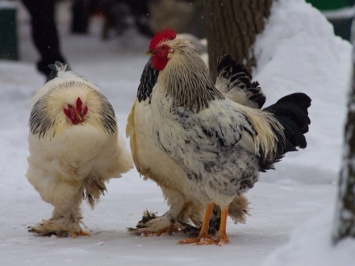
(292, 112)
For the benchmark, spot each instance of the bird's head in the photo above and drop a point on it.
(160, 50)
(76, 113)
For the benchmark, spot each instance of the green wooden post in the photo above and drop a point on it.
(8, 31)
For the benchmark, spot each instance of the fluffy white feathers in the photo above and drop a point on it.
(70, 161)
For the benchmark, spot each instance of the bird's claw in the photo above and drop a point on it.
(221, 242)
(80, 233)
(222, 239)
(198, 241)
(206, 240)
(57, 227)
(167, 231)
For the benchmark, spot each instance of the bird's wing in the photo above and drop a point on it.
(234, 81)
(220, 126)
(130, 123)
(147, 81)
(131, 134)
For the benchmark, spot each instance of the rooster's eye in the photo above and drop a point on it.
(165, 47)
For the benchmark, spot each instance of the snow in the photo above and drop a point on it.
(307, 57)
(308, 248)
(292, 207)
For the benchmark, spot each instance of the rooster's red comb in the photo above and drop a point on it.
(164, 35)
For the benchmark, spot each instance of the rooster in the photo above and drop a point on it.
(234, 81)
(220, 145)
(74, 148)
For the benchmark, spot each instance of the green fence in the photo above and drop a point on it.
(8, 31)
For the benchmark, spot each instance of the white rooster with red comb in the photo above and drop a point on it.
(185, 210)
(221, 145)
(74, 148)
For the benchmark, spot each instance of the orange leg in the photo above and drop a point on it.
(222, 237)
(203, 237)
(81, 233)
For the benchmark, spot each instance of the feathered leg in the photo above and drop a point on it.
(238, 209)
(179, 217)
(165, 224)
(203, 238)
(66, 216)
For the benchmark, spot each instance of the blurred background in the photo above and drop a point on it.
(110, 19)
(106, 19)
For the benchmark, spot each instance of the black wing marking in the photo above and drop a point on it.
(239, 79)
(148, 79)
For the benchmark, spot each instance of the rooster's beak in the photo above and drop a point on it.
(149, 53)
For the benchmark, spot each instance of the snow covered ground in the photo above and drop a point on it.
(296, 52)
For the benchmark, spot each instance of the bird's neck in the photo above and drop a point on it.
(147, 82)
(186, 79)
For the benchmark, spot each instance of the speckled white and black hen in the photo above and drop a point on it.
(221, 145)
(185, 210)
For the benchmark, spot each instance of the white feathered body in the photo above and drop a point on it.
(68, 161)
(71, 157)
(216, 141)
(154, 164)
(191, 139)
(221, 145)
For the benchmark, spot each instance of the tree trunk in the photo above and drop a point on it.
(345, 209)
(232, 26)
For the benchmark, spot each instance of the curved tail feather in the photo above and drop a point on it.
(234, 81)
(292, 113)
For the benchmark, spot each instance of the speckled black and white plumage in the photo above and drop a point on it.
(184, 208)
(235, 82)
(216, 146)
(69, 162)
(148, 79)
(221, 145)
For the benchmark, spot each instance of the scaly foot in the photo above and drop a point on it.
(80, 233)
(58, 227)
(167, 231)
(203, 237)
(200, 240)
(222, 239)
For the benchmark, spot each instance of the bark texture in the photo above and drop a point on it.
(232, 26)
(345, 210)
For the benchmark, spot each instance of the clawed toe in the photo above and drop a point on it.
(80, 233)
(198, 241)
(167, 231)
(57, 228)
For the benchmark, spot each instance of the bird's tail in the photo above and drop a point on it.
(57, 69)
(234, 81)
(291, 112)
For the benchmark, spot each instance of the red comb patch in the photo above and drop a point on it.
(79, 107)
(162, 36)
